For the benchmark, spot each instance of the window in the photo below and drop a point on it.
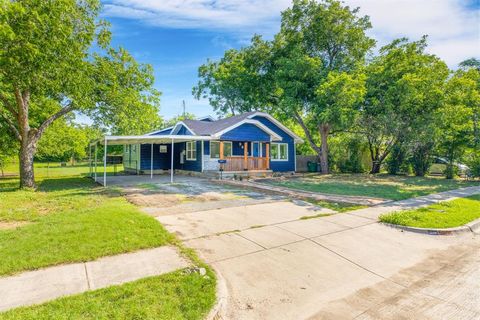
(279, 152)
(215, 149)
(163, 149)
(192, 150)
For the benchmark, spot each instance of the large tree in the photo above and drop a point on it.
(55, 58)
(458, 118)
(405, 88)
(309, 72)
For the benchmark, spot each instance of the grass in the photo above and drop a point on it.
(177, 295)
(446, 214)
(54, 169)
(377, 186)
(71, 220)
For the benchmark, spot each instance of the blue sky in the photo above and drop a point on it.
(177, 36)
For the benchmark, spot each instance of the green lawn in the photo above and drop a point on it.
(378, 186)
(446, 214)
(55, 169)
(70, 219)
(177, 295)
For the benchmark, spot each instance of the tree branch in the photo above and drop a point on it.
(52, 118)
(307, 133)
(11, 126)
(8, 106)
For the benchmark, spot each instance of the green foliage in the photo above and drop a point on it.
(396, 159)
(348, 153)
(65, 140)
(175, 120)
(55, 58)
(457, 119)
(404, 91)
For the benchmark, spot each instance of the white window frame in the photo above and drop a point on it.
(277, 145)
(162, 149)
(191, 148)
(224, 142)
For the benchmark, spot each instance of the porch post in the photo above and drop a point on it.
(105, 164)
(245, 156)
(96, 142)
(221, 150)
(171, 164)
(267, 155)
(151, 161)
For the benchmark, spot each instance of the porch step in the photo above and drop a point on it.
(229, 175)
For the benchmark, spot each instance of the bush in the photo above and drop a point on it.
(396, 161)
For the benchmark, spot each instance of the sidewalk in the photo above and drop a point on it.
(46, 284)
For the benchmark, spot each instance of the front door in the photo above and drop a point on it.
(255, 149)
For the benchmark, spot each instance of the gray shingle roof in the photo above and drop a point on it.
(205, 128)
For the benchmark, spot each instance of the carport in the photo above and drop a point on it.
(129, 140)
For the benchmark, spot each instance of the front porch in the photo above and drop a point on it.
(238, 156)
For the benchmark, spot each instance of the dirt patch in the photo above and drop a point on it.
(12, 225)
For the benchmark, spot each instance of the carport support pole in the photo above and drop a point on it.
(105, 164)
(151, 161)
(90, 160)
(171, 164)
(96, 161)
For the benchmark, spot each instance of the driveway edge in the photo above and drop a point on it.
(218, 310)
(473, 227)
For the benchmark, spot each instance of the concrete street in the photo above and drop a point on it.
(345, 266)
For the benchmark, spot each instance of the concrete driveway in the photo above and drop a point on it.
(345, 266)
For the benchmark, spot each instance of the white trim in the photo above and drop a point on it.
(231, 149)
(279, 160)
(250, 121)
(295, 156)
(203, 151)
(186, 150)
(157, 131)
(205, 117)
(277, 123)
(183, 124)
(171, 162)
(160, 139)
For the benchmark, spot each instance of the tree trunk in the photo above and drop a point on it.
(324, 131)
(27, 152)
(375, 167)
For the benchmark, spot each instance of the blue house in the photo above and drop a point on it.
(246, 143)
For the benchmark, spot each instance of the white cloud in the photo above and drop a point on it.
(453, 28)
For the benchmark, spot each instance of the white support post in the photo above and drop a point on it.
(105, 164)
(171, 164)
(89, 160)
(96, 161)
(151, 161)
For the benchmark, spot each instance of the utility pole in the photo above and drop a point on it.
(183, 102)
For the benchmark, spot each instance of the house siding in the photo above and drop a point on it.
(280, 166)
(190, 165)
(161, 161)
(246, 132)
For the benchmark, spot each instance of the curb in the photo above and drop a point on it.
(471, 227)
(218, 310)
